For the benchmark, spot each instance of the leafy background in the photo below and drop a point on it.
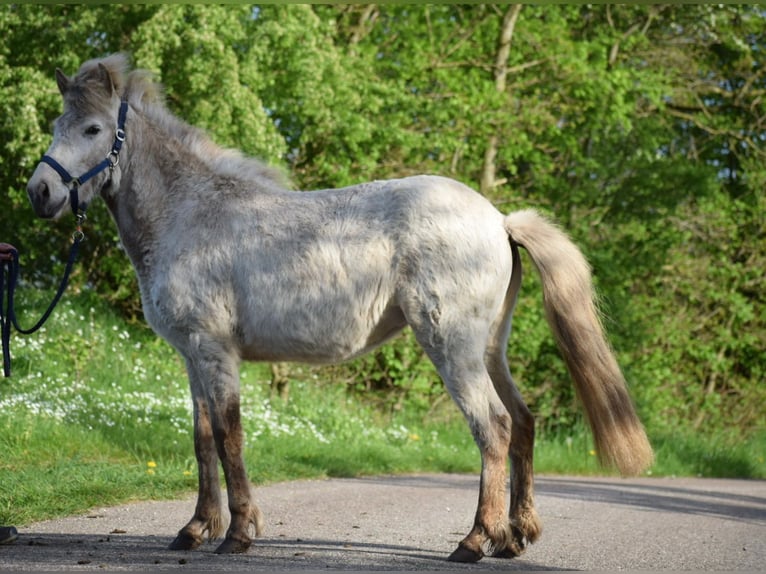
(641, 128)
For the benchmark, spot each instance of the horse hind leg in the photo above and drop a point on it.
(524, 522)
(491, 429)
(457, 354)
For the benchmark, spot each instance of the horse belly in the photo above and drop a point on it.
(321, 337)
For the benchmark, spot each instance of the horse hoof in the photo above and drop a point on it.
(464, 554)
(232, 546)
(185, 542)
(515, 547)
(506, 553)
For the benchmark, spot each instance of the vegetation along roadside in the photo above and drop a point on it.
(640, 128)
(97, 412)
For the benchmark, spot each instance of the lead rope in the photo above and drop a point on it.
(9, 257)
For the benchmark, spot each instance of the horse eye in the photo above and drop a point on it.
(92, 130)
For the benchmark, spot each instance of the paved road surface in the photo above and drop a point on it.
(409, 523)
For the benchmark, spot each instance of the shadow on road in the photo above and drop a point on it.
(411, 523)
(656, 497)
(52, 552)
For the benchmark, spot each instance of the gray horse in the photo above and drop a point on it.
(234, 266)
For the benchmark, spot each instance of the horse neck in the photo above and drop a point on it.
(141, 202)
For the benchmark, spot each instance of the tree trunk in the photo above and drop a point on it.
(488, 172)
(280, 382)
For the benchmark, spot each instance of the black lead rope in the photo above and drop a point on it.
(9, 279)
(10, 265)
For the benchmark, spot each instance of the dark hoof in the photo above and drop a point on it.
(464, 554)
(185, 542)
(232, 546)
(506, 553)
(516, 547)
(8, 534)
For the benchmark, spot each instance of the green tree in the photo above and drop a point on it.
(29, 101)
(639, 127)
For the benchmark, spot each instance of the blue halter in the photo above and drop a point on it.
(110, 161)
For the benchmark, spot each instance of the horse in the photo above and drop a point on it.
(233, 265)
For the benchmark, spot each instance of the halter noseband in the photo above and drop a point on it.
(110, 161)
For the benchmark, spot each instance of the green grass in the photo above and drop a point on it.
(97, 412)
(676, 454)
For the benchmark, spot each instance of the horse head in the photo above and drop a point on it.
(87, 137)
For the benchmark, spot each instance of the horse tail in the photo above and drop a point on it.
(571, 310)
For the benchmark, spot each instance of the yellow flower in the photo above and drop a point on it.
(151, 464)
(413, 436)
(187, 473)
(592, 452)
(149, 471)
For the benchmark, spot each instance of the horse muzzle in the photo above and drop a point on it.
(48, 199)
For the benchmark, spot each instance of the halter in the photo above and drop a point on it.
(110, 161)
(9, 256)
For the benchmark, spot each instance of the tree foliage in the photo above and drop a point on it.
(641, 128)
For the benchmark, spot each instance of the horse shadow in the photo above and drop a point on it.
(47, 552)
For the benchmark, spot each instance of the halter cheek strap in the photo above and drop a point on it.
(109, 162)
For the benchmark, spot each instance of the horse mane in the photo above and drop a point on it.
(142, 91)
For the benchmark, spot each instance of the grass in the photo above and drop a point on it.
(97, 412)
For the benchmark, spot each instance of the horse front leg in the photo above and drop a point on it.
(245, 514)
(218, 371)
(207, 514)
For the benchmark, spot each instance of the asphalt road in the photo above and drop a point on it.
(412, 523)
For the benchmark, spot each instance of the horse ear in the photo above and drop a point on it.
(106, 79)
(62, 80)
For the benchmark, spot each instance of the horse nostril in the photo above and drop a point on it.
(43, 191)
(39, 194)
